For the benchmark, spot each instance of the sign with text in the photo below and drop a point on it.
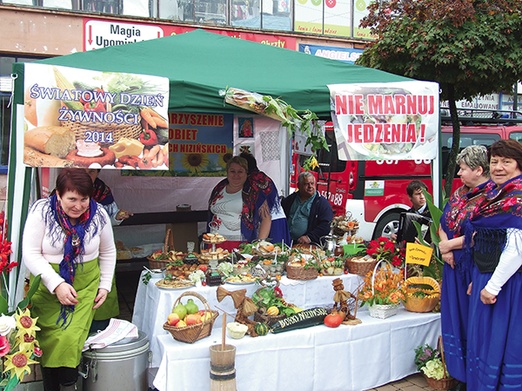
(200, 144)
(82, 118)
(418, 254)
(347, 55)
(100, 34)
(375, 121)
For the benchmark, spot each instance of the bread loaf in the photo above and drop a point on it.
(34, 158)
(53, 140)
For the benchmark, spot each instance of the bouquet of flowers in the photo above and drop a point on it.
(382, 288)
(385, 248)
(429, 361)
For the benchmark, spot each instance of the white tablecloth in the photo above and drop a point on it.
(152, 304)
(356, 358)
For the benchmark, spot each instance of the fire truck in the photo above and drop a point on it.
(374, 192)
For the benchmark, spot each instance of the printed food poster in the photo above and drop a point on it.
(80, 118)
(200, 143)
(374, 121)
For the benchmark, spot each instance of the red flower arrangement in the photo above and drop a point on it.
(385, 248)
(5, 248)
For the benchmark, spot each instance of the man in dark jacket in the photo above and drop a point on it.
(308, 213)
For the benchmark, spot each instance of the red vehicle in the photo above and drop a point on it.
(374, 192)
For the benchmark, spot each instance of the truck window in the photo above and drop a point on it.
(516, 136)
(331, 157)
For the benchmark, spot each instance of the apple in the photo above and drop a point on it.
(181, 323)
(173, 319)
(192, 319)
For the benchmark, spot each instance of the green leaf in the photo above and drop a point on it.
(35, 282)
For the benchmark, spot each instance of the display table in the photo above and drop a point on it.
(368, 355)
(152, 304)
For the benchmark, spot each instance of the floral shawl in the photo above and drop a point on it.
(500, 209)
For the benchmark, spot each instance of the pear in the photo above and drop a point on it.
(191, 307)
(180, 310)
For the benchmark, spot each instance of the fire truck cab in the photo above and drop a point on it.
(374, 192)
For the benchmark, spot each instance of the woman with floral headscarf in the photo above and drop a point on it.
(495, 309)
(68, 241)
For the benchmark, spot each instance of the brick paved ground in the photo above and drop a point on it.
(411, 383)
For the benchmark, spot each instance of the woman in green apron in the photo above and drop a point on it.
(68, 241)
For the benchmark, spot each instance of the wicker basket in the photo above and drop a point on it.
(415, 303)
(193, 333)
(118, 131)
(383, 311)
(442, 384)
(301, 273)
(168, 245)
(360, 268)
(446, 383)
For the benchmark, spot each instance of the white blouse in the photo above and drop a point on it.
(227, 210)
(41, 247)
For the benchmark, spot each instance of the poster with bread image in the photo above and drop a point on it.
(76, 117)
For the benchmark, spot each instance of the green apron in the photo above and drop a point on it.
(110, 307)
(63, 348)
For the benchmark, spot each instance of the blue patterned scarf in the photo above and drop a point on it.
(73, 247)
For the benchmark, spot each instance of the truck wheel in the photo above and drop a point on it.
(387, 225)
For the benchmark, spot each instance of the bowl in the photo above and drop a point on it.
(236, 330)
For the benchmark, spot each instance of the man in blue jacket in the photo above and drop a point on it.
(308, 213)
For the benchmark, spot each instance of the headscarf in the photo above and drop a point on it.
(102, 193)
(73, 247)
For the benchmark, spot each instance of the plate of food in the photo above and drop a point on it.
(171, 284)
(240, 280)
(213, 238)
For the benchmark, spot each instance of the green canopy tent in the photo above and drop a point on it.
(198, 64)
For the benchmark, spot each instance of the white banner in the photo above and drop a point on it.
(375, 121)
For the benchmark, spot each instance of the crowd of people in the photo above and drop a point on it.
(68, 241)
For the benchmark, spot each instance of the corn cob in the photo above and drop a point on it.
(63, 84)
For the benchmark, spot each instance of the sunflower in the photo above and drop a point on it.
(225, 157)
(18, 363)
(25, 324)
(194, 162)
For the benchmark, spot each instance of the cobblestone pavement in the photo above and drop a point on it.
(411, 383)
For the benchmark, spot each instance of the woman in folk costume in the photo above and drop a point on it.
(474, 173)
(495, 312)
(240, 207)
(261, 188)
(68, 241)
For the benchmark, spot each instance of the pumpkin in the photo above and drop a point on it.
(272, 311)
(261, 328)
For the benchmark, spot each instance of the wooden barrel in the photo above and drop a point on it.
(222, 368)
